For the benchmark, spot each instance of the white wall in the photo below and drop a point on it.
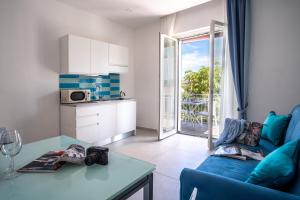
(147, 57)
(29, 60)
(275, 60)
(147, 75)
(199, 16)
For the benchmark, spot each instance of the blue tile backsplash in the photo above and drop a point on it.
(103, 86)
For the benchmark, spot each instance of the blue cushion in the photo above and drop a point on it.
(274, 127)
(293, 131)
(266, 146)
(278, 168)
(228, 167)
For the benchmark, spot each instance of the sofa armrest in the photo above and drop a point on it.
(215, 187)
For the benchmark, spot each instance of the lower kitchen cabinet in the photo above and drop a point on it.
(96, 122)
(126, 116)
(88, 133)
(107, 121)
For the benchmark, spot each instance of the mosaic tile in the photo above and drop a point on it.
(104, 86)
(115, 80)
(115, 88)
(69, 76)
(69, 85)
(69, 80)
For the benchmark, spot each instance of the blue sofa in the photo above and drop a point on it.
(219, 178)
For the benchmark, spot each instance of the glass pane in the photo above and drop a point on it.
(168, 85)
(218, 78)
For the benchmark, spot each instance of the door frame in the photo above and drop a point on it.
(211, 80)
(183, 36)
(178, 82)
(175, 130)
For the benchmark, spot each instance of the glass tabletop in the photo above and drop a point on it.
(72, 181)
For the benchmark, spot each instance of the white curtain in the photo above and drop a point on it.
(229, 102)
(167, 24)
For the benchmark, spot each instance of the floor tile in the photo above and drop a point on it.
(170, 156)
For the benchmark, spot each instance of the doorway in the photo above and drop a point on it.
(191, 74)
(194, 79)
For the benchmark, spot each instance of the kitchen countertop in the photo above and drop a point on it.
(97, 102)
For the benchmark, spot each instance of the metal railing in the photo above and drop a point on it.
(194, 109)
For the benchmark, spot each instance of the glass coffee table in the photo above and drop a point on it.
(122, 177)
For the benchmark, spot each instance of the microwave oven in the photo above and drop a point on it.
(75, 96)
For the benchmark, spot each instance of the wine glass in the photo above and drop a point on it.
(11, 147)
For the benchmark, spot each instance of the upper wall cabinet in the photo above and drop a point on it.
(75, 55)
(99, 57)
(81, 55)
(118, 58)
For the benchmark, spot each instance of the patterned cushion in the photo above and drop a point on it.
(251, 134)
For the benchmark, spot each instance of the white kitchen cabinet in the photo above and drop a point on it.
(81, 55)
(99, 64)
(81, 122)
(118, 58)
(107, 126)
(126, 116)
(88, 133)
(75, 55)
(94, 123)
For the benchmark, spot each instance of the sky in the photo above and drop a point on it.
(196, 54)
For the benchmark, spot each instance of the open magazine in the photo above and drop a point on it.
(237, 152)
(53, 160)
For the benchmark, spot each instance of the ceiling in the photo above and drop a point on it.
(133, 13)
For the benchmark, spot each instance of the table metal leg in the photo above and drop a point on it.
(146, 183)
(148, 189)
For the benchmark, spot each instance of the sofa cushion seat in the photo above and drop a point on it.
(228, 167)
(234, 168)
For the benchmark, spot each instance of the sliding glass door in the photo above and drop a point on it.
(168, 105)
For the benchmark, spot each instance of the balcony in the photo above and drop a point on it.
(194, 115)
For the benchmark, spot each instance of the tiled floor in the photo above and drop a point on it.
(170, 156)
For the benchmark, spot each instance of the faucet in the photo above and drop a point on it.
(122, 94)
(98, 89)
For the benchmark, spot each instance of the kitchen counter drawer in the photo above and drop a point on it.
(87, 120)
(86, 111)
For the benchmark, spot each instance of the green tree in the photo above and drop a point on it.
(197, 83)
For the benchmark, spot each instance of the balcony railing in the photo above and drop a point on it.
(194, 112)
